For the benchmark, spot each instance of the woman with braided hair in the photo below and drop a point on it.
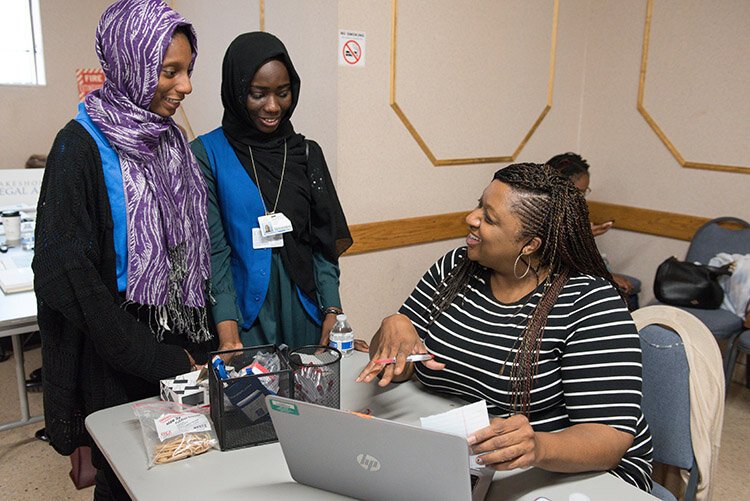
(526, 317)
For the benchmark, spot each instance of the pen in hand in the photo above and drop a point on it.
(418, 357)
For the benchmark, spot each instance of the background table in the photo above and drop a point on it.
(18, 317)
(262, 472)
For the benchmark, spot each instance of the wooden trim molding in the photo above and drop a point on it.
(384, 235)
(648, 221)
(650, 120)
(472, 160)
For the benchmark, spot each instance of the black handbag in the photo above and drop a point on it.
(693, 285)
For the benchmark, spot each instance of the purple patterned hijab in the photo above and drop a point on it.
(165, 195)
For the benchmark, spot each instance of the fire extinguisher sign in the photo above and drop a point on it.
(351, 48)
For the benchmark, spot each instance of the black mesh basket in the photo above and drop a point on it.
(238, 406)
(317, 375)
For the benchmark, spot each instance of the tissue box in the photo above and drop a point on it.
(184, 389)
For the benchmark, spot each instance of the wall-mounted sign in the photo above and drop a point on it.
(351, 48)
(19, 188)
(88, 80)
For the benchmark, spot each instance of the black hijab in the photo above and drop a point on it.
(308, 197)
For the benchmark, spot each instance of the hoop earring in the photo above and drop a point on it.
(528, 267)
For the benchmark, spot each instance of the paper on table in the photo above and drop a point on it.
(14, 278)
(462, 422)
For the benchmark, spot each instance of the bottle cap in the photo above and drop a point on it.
(341, 318)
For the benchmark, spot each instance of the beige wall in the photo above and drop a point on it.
(307, 29)
(472, 76)
(599, 47)
(690, 85)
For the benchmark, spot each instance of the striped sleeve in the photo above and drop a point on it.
(601, 361)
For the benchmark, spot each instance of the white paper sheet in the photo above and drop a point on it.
(16, 274)
(463, 422)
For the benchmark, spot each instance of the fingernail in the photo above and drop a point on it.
(472, 439)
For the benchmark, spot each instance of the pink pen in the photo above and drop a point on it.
(419, 357)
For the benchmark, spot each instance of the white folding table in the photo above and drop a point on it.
(261, 473)
(18, 317)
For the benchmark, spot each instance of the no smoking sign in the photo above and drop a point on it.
(351, 48)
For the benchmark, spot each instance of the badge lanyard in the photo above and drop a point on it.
(272, 225)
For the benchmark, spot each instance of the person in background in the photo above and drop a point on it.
(122, 255)
(36, 162)
(277, 227)
(575, 168)
(526, 317)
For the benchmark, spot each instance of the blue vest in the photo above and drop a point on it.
(115, 192)
(240, 207)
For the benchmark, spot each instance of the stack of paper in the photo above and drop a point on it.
(14, 278)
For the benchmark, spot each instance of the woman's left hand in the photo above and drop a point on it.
(325, 328)
(229, 338)
(506, 444)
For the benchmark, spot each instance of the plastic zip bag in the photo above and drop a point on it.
(173, 431)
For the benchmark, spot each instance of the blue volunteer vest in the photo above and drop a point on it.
(115, 192)
(240, 207)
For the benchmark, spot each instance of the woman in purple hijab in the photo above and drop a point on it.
(122, 250)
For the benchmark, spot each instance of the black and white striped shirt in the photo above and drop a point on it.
(589, 367)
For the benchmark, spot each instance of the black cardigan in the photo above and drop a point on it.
(95, 352)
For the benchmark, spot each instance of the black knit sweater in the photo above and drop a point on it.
(95, 352)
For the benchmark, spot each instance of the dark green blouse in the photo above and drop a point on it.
(282, 318)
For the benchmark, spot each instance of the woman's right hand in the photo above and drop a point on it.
(397, 339)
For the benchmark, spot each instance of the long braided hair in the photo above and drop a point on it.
(551, 208)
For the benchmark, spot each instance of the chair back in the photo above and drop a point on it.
(683, 392)
(666, 395)
(713, 238)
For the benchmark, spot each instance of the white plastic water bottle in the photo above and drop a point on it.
(342, 336)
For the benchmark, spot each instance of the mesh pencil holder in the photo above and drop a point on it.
(317, 375)
(238, 407)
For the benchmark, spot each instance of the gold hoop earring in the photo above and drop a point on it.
(515, 264)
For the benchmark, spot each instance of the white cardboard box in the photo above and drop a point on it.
(184, 389)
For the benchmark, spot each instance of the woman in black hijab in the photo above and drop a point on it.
(277, 227)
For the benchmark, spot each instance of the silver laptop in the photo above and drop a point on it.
(365, 457)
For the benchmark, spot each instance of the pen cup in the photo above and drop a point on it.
(316, 371)
(238, 406)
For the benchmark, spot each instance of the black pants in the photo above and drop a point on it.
(108, 486)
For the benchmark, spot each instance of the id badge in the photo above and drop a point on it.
(269, 242)
(274, 224)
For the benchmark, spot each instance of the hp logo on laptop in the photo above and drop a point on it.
(368, 462)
